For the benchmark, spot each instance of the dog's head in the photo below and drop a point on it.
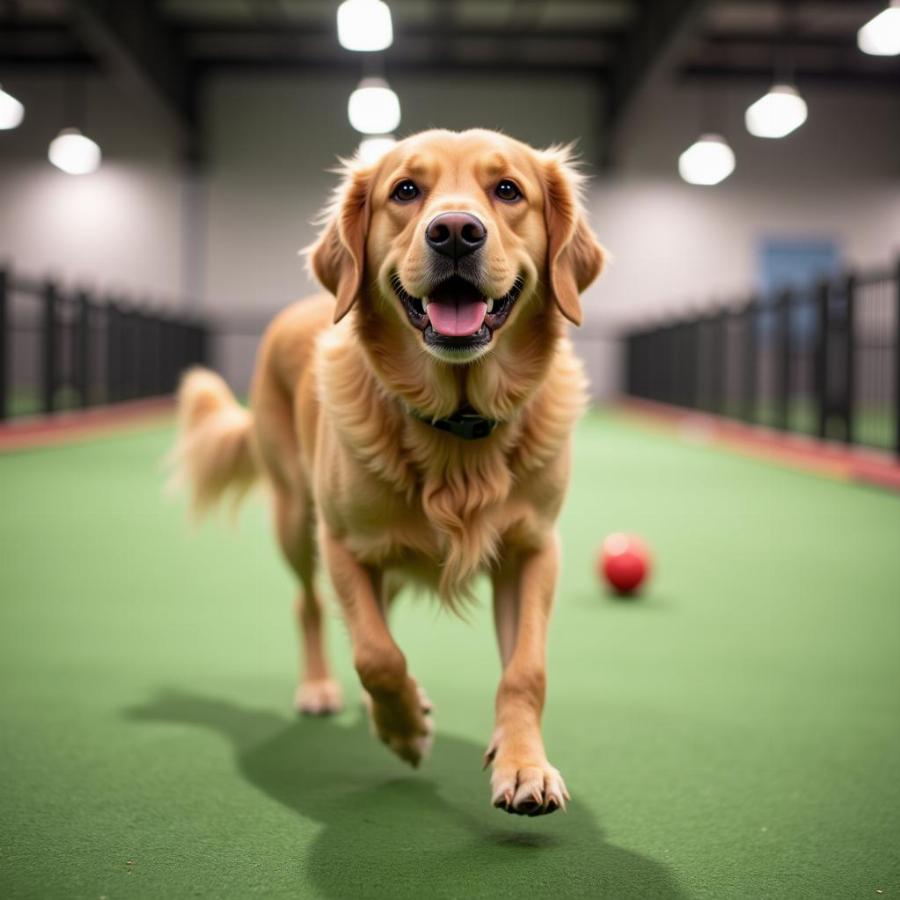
(459, 234)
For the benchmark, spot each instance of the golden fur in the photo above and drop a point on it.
(386, 496)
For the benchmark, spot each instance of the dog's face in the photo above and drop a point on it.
(458, 233)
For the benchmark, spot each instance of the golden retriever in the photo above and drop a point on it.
(415, 423)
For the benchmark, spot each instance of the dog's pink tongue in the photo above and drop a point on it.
(456, 318)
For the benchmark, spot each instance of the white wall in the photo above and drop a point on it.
(272, 138)
(677, 246)
(118, 230)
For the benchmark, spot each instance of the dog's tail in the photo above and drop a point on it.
(213, 456)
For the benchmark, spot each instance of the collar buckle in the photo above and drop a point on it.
(465, 423)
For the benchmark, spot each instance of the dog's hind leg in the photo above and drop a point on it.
(317, 692)
(283, 402)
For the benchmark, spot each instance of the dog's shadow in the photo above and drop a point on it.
(391, 832)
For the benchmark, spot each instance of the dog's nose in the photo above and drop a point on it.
(455, 234)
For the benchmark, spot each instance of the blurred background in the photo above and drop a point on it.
(732, 731)
(212, 125)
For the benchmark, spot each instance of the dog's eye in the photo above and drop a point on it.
(508, 190)
(405, 191)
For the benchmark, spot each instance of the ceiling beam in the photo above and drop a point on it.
(14, 63)
(135, 44)
(28, 46)
(769, 40)
(18, 31)
(658, 35)
(831, 76)
(298, 63)
(400, 65)
(28, 32)
(435, 28)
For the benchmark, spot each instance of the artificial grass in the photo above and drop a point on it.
(733, 733)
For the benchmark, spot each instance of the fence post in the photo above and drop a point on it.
(659, 365)
(131, 361)
(48, 348)
(849, 357)
(640, 364)
(150, 353)
(165, 354)
(681, 364)
(749, 361)
(643, 366)
(668, 383)
(625, 366)
(647, 364)
(128, 356)
(783, 360)
(83, 350)
(897, 357)
(822, 352)
(631, 382)
(5, 344)
(690, 363)
(716, 326)
(701, 363)
(708, 342)
(736, 372)
(112, 353)
(143, 358)
(665, 369)
(156, 375)
(722, 362)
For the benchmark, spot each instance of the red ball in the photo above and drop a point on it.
(624, 562)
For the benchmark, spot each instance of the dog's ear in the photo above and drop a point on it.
(337, 258)
(574, 257)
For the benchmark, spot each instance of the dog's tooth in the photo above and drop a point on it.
(424, 304)
(490, 306)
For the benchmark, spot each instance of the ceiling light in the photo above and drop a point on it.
(777, 114)
(74, 153)
(371, 149)
(881, 36)
(11, 111)
(364, 25)
(707, 161)
(373, 107)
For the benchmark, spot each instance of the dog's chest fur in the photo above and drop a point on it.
(452, 504)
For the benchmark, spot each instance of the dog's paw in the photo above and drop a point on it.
(404, 721)
(525, 786)
(318, 697)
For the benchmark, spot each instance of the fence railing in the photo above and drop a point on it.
(63, 350)
(823, 361)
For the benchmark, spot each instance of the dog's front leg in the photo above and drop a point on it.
(523, 781)
(399, 709)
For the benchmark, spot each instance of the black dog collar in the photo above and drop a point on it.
(465, 423)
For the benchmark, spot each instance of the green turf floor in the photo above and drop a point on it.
(735, 733)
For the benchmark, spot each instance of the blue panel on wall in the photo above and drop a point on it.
(796, 262)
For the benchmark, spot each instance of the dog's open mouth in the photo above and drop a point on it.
(456, 314)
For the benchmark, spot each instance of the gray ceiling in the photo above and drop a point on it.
(171, 46)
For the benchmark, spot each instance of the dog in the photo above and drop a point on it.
(415, 422)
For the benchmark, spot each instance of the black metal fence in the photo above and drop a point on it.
(823, 361)
(64, 350)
